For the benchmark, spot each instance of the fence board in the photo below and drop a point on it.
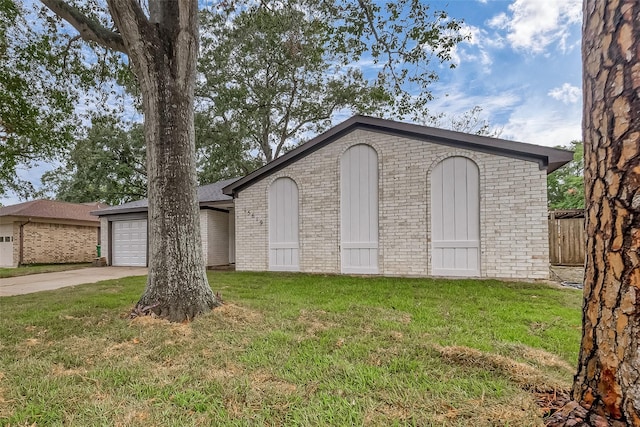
(566, 241)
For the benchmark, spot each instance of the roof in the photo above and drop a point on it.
(548, 158)
(206, 194)
(53, 209)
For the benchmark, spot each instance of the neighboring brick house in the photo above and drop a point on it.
(374, 196)
(48, 232)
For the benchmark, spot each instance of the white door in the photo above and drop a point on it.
(359, 210)
(6, 245)
(455, 218)
(129, 243)
(284, 246)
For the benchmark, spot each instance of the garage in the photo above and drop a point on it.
(129, 243)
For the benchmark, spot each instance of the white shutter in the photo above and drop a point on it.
(359, 210)
(455, 218)
(284, 246)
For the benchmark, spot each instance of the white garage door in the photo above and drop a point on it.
(129, 243)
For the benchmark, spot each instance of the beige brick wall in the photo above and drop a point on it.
(104, 238)
(513, 215)
(58, 243)
(214, 228)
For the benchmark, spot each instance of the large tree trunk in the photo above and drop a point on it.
(607, 384)
(164, 53)
(162, 49)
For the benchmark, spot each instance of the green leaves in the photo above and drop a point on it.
(271, 76)
(565, 187)
(107, 166)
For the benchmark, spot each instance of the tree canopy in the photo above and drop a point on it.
(108, 165)
(565, 186)
(271, 77)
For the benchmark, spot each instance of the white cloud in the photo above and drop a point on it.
(533, 25)
(525, 117)
(535, 122)
(566, 93)
(475, 49)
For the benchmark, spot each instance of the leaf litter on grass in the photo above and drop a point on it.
(548, 394)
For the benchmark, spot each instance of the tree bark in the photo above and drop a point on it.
(607, 384)
(163, 51)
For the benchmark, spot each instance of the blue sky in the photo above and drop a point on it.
(522, 66)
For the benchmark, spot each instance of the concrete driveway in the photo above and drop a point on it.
(47, 281)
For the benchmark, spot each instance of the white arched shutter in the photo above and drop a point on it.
(284, 246)
(359, 210)
(455, 218)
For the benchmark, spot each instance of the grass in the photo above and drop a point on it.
(39, 268)
(290, 349)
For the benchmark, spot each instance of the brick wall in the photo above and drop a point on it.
(214, 227)
(58, 243)
(513, 213)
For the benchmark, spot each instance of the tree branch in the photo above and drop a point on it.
(89, 29)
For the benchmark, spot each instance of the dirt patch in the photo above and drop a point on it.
(541, 357)
(265, 382)
(237, 315)
(228, 371)
(562, 274)
(386, 413)
(60, 371)
(314, 322)
(526, 376)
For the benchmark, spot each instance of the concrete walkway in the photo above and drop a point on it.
(47, 281)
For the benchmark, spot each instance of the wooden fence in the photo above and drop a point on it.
(566, 238)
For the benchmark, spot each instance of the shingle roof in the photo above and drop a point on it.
(548, 158)
(206, 194)
(53, 209)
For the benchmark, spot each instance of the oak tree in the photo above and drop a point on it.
(159, 39)
(274, 73)
(161, 45)
(107, 165)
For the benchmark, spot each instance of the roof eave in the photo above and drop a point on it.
(548, 158)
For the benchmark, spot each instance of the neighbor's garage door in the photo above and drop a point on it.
(129, 243)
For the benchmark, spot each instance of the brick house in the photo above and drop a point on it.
(48, 232)
(374, 196)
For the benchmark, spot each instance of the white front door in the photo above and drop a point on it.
(455, 218)
(359, 210)
(6, 245)
(129, 243)
(284, 245)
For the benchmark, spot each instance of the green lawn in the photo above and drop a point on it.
(290, 349)
(39, 268)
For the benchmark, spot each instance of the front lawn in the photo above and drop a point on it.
(289, 349)
(25, 270)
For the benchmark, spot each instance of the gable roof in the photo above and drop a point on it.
(547, 157)
(206, 194)
(53, 209)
